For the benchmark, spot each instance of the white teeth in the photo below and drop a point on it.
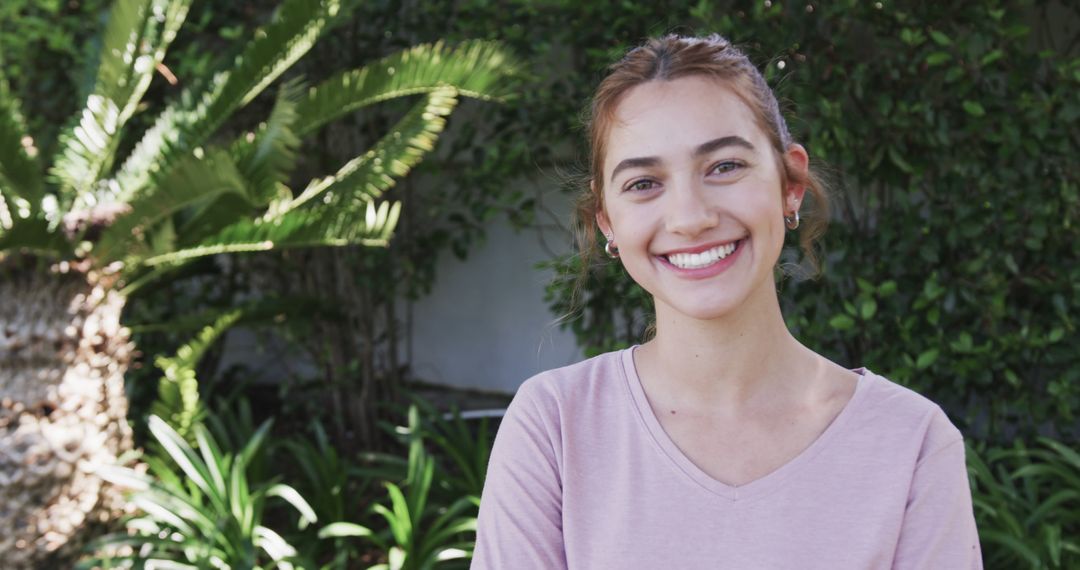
(703, 259)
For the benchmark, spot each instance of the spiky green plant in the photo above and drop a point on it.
(178, 390)
(420, 534)
(83, 231)
(1027, 504)
(200, 508)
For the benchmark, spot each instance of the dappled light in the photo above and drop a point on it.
(265, 275)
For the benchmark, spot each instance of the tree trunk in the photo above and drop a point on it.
(63, 409)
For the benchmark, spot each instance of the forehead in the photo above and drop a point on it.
(671, 118)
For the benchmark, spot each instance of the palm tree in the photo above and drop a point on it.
(79, 237)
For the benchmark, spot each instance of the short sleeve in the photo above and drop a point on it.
(939, 524)
(520, 521)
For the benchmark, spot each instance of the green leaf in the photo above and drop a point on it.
(938, 58)
(290, 495)
(1069, 455)
(346, 215)
(162, 512)
(241, 503)
(476, 69)
(1013, 544)
(842, 322)
(182, 454)
(253, 445)
(867, 309)
(887, 288)
(134, 43)
(940, 38)
(991, 57)
(181, 129)
(926, 359)
(343, 530)
(323, 226)
(266, 157)
(403, 524)
(178, 389)
(35, 235)
(191, 181)
(896, 159)
(206, 218)
(1052, 504)
(420, 489)
(372, 173)
(397, 558)
(216, 461)
(21, 187)
(276, 547)
(974, 108)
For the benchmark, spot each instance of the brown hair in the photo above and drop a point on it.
(672, 57)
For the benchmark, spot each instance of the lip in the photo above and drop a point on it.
(701, 248)
(711, 270)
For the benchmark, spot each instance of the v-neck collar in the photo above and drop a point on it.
(757, 487)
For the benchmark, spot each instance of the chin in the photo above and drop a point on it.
(712, 311)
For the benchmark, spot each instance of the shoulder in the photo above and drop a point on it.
(576, 382)
(553, 403)
(588, 392)
(890, 409)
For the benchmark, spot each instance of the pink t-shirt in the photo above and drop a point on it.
(583, 477)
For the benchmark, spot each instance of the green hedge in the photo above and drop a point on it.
(949, 128)
(952, 264)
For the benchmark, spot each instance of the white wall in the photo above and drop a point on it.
(485, 325)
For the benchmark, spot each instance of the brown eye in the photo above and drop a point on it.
(640, 186)
(727, 166)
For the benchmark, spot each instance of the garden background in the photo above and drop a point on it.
(167, 190)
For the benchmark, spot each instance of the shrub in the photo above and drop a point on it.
(1027, 504)
(952, 264)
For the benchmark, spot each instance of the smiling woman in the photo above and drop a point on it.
(723, 442)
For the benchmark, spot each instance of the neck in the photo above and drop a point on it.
(733, 364)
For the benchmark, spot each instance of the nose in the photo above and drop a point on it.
(688, 211)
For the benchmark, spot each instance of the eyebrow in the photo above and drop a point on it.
(704, 148)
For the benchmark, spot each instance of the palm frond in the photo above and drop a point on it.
(267, 156)
(210, 217)
(477, 69)
(373, 172)
(134, 43)
(34, 235)
(6, 221)
(324, 225)
(178, 390)
(181, 129)
(21, 185)
(190, 182)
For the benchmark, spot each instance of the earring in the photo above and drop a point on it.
(610, 248)
(792, 222)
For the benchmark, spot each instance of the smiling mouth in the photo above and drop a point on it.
(704, 258)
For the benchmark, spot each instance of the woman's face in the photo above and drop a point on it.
(693, 197)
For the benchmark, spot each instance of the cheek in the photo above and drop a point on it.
(626, 220)
(761, 200)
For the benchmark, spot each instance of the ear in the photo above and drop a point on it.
(601, 216)
(798, 161)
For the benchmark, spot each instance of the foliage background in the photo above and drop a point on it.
(947, 128)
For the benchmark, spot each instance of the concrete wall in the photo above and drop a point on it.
(485, 324)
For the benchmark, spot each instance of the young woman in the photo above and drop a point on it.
(722, 442)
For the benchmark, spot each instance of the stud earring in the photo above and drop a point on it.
(792, 222)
